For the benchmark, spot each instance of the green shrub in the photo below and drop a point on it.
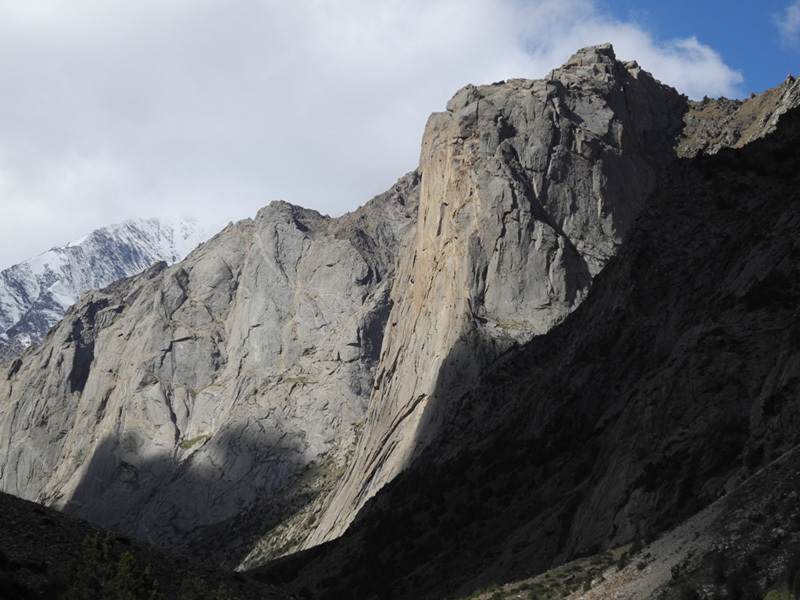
(186, 444)
(776, 595)
(100, 574)
(197, 589)
(793, 572)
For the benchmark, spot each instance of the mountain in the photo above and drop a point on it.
(528, 188)
(35, 294)
(667, 403)
(202, 401)
(571, 329)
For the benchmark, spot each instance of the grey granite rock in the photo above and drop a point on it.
(180, 398)
(528, 188)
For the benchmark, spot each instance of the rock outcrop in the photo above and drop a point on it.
(528, 188)
(714, 124)
(188, 395)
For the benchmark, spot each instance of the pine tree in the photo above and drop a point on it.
(102, 575)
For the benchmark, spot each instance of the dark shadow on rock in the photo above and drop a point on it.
(673, 382)
(193, 505)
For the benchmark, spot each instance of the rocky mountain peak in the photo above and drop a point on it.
(595, 63)
(593, 55)
(527, 189)
(304, 219)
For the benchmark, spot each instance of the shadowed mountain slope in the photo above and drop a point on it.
(39, 548)
(675, 381)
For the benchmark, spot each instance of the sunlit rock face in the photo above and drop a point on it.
(528, 188)
(187, 395)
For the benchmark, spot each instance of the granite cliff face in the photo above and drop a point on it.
(664, 409)
(190, 394)
(528, 188)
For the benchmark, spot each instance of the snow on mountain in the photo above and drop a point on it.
(35, 294)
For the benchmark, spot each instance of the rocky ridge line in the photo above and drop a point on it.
(714, 124)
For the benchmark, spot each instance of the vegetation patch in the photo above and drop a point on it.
(302, 503)
(574, 577)
(185, 444)
(102, 573)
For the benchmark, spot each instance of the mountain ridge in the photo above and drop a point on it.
(527, 189)
(230, 374)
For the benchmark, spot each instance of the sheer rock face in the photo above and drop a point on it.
(673, 387)
(179, 398)
(528, 188)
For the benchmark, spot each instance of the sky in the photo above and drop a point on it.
(210, 109)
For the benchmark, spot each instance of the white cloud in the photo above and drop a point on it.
(212, 108)
(788, 24)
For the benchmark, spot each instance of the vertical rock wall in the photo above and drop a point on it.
(528, 188)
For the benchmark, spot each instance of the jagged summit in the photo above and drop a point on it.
(596, 57)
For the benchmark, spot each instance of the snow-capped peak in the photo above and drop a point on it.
(35, 294)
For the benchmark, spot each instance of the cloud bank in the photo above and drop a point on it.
(788, 24)
(211, 109)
